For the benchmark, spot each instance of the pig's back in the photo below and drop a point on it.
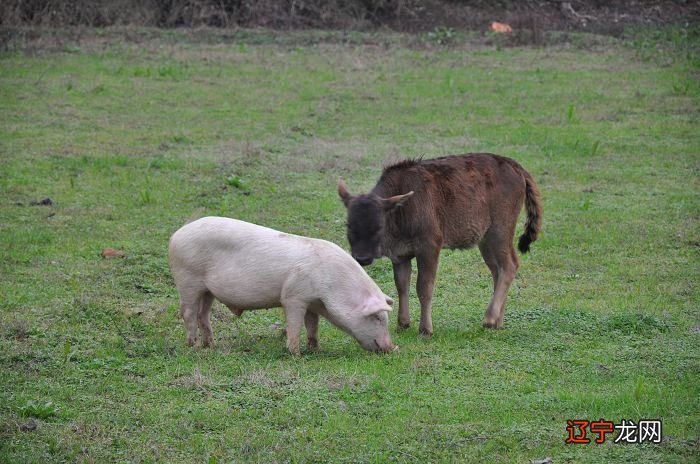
(242, 264)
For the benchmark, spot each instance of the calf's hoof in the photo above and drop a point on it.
(312, 344)
(401, 326)
(492, 324)
(425, 331)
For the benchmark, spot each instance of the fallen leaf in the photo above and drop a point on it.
(500, 27)
(112, 253)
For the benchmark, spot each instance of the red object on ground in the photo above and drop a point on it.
(500, 27)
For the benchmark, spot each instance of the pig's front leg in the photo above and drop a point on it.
(294, 312)
(311, 322)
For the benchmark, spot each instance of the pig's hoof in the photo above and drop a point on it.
(293, 347)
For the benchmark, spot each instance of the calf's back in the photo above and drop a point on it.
(456, 198)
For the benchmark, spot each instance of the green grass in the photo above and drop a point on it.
(130, 133)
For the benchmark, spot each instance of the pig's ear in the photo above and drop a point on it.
(343, 193)
(375, 305)
(371, 310)
(388, 300)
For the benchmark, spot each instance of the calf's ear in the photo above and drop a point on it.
(396, 200)
(343, 192)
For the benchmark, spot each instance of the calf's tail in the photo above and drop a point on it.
(533, 207)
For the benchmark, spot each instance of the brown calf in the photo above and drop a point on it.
(420, 206)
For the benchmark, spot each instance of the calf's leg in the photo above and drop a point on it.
(490, 261)
(402, 279)
(427, 270)
(502, 260)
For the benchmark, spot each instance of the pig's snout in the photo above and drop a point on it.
(386, 346)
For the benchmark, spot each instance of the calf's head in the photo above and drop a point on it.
(366, 222)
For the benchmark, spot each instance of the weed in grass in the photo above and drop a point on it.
(442, 35)
(167, 71)
(156, 163)
(681, 88)
(181, 138)
(17, 328)
(145, 197)
(237, 182)
(68, 351)
(636, 323)
(39, 410)
(141, 72)
(639, 389)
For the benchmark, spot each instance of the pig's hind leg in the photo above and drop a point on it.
(190, 305)
(311, 322)
(189, 311)
(294, 312)
(205, 303)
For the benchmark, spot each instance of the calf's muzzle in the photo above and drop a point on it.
(363, 260)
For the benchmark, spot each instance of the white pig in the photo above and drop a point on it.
(246, 267)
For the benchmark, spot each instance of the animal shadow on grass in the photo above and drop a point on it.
(268, 341)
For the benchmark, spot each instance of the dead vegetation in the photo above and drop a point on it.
(404, 15)
(217, 13)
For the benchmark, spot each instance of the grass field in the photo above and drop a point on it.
(129, 133)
